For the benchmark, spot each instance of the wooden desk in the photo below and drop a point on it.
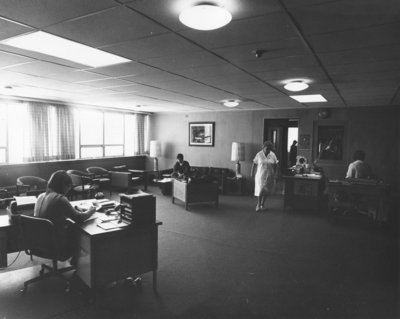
(145, 176)
(367, 197)
(304, 191)
(106, 256)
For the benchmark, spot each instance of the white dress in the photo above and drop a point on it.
(265, 174)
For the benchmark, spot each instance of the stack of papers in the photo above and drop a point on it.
(113, 224)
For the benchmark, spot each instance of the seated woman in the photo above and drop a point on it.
(358, 168)
(53, 205)
(181, 169)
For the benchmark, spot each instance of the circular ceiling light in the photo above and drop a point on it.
(205, 17)
(296, 86)
(231, 103)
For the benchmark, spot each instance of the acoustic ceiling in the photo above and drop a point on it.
(348, 51)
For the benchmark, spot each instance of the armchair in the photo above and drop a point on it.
(192, 192)
(39, 239)
(31, 185)
(101, 176)
(82, 184)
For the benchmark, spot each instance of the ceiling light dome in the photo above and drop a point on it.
(231, 103)
(205, 16)
(296, 86)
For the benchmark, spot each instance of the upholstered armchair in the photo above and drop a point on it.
(82, 184)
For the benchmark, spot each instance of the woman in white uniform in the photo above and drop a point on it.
(264, 163)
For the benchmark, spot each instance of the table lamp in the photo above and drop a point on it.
(155, 151)
(237, 155)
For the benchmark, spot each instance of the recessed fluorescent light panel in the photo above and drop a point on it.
(311, 98)
(49, 44)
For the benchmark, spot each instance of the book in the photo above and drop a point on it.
(25, 200)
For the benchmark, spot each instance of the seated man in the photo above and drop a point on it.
(358, 168)
(181, 169)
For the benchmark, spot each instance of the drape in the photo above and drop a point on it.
(141, 125)
(51, 132)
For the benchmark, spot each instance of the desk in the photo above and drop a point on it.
(104, 255)
(10, 239)
(367, 197)
(145, 175)
(165, 185)
(304, 191)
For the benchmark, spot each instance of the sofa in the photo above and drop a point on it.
(190, 192)
(220, 176)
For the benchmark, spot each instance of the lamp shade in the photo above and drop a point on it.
(237, 152)
(155, 148)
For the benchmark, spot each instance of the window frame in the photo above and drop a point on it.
(103, 145)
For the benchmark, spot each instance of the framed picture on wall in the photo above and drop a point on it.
(331, 141)
(304, 141)
(201, 133)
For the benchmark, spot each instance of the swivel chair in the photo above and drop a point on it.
(39, 239)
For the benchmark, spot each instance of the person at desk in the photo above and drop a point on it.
(265, 162)
(53, 205)
(181, 169)
(358, 168)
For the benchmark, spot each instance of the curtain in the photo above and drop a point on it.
(65, 132)
(142, 128)
(51, 132)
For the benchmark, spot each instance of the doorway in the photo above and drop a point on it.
(282, 133)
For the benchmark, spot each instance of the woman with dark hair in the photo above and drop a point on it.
(53, 205)
(265, 162)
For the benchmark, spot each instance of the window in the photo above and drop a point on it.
(107, 134)
(40, 131)
(3, 134)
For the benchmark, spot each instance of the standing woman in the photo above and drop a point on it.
(265, 162)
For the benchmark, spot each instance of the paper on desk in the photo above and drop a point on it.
(112, 224)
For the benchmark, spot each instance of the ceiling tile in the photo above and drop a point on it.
(41, 13)
(271, 27)
(152, 47)
(330, 16)
(107, 27)
(360, 38)
(9, 59)
(10, 29)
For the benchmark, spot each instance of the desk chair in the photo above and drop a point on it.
(82, 184)
(101, 176)
(39, 239)
(31, 185)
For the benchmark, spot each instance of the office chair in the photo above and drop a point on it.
(101, 176)
(39, 239)
(82, 184)
(31, 185)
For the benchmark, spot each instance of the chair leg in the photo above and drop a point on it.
(52, 271)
